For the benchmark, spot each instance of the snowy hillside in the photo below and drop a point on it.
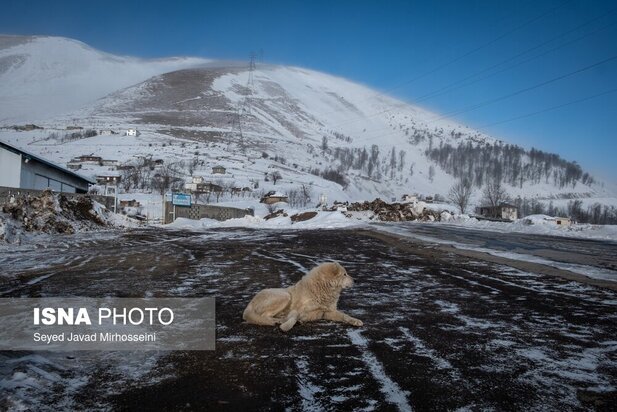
(45, 76)
(334, 136)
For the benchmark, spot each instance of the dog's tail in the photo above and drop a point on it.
(251, 316)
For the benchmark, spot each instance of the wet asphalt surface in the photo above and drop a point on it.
(441, 331)
(597, 253)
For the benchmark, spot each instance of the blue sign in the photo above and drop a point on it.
(181, 199)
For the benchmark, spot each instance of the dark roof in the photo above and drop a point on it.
(29, 155)
(499, 205)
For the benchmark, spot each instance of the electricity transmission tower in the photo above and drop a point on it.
(252, 65)
(245, 104)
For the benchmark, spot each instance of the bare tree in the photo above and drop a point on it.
(293, 197)
(167, 178)
(494, 194)
(306, 192)
(271, 207)
(401, 160)
(275, 176)
(460, 194)
(431, 173)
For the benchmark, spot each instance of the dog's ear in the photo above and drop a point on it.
(338, 269)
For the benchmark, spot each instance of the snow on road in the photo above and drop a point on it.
(392, 391)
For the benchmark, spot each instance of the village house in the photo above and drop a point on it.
(132, 132)
(107, 132)
(560, 221)
(503, 211)
(77, 162)
(125, 167)
(199, 185)
(218, 170)
(409, 198)
(130, 203)
(108, 179)
(26, 128)
(196, 185)
(87, 159)
(273, 197)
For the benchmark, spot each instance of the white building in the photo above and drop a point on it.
(22, 170)
(132, 132)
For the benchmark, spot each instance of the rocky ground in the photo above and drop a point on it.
(441, 330)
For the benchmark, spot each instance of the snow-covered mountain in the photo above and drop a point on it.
(346, 140)
(45, 76)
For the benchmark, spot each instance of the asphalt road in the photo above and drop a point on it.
(441, 331)
(596, 253)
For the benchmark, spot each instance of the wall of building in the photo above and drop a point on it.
(509, 213)
(197, 212)
(39, 176)
(10, 168)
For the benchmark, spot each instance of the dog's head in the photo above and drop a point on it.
(337, 275)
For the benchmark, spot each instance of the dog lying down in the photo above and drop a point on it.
(314, 297)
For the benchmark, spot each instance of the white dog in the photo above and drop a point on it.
(314, 297)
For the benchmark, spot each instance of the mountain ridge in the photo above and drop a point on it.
(324, 128)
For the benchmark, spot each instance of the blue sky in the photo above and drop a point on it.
(408, 48)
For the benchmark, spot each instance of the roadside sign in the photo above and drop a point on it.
(181, 199)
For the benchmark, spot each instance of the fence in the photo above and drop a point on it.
(197, 212)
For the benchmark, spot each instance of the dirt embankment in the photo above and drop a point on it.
(396, 212)
(49, 213)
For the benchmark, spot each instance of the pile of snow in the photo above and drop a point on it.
(539, 225)
(323, 220)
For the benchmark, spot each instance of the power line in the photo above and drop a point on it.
(491, 101)
(476, 49)
(461, 82)
(548, 109)
(470, 52)
(521, 91)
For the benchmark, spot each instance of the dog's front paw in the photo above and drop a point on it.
(286, 326)
(355, 322)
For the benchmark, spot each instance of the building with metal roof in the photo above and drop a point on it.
(24, 170)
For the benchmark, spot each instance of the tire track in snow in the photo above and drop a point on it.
(306, 388)
(391, 390)
(423, 350)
